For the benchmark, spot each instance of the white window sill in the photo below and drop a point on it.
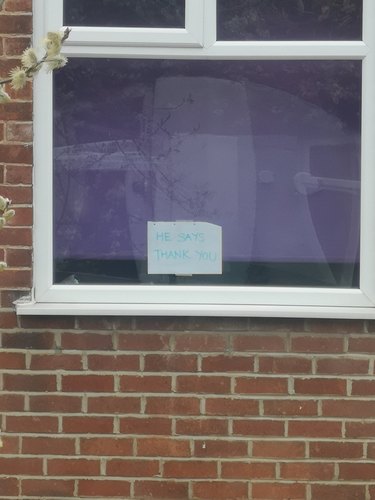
(29, 308)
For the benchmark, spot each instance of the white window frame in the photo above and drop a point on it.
(196, 41)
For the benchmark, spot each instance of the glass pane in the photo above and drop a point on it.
(289, 19)
(125, 13)
(268, 150)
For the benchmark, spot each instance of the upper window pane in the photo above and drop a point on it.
(125, 13)
(289, 19)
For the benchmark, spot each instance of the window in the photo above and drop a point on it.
(195, 159)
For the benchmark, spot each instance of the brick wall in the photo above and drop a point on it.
(163, 408)
(188, 409)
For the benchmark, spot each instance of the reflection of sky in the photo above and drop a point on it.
(208, 149)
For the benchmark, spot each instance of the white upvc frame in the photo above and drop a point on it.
(48, 298)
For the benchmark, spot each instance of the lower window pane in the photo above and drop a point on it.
(267, 150)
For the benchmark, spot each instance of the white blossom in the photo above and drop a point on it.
(29, 59)
(19, 78)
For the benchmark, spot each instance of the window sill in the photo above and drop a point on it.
(29, 308)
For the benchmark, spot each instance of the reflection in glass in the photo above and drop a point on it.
(125, 13)
(289, 19)
(269, 150)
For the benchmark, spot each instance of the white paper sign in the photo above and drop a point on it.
(184, 247)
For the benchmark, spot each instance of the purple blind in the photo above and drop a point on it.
(268, 150)
(289, 19)
(125, 13)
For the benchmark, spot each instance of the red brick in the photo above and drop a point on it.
(357, 471)
(133, 468)
(370, 450)
(220, 490)
(114, 404)
(247, 470)
(14, 46)
(363, 388)
(202, 427)
(290, 407)
(232, 407)
(261, 385)
(15, 154)
(18, 257)
(107, 446)
(19, 132)
(8, 319)
(287, 364)
(8, 297)
(213, 324)
(29, 383)
(224, 363)
(317, 343)
(163, 447)
(341, 492)
(56, 404)
(23, 217)
(48, 446)
(18, 5)
(358, 430)
(73, 467)
(12, 402)
(146, 425)
(56, 362)
(161, 490)
(12, 360)
(259, 343)
(279, 449)
(9, 486)
(34, 340)
(314, 428)
(339, 450)
(87, 425)
(15, 111)
(305, 471)
(120, 362)
(20, 24)
(88, 383)
(321, 386)
(200, 342)
(28, 423)
(98, 322)
(349, 409)
(279, 491)
(143, 342)
(86, 341)
(16, 278)
(10, 446)
(194, 469)
(173, 406)
(47, 488)
(21, 466)
(144, 384)
(104, 488)
(50, 322)
(160, 323)
(342, 366)
(171, 363)
(250, 427)
(203, 384)
(334, 326)
(220, 448)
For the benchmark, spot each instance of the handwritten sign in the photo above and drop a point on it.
(184, 247)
